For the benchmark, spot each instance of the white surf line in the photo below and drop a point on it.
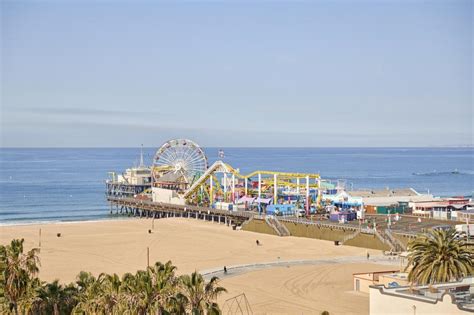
(236, 270)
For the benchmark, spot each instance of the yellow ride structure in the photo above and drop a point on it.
(232, 180)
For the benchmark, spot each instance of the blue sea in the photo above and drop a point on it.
(49, 185)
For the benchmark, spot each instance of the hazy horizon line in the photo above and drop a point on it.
(258, 147)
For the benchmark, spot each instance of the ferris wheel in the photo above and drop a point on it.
(180, 156)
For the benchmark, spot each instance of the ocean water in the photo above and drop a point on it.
(44, 185)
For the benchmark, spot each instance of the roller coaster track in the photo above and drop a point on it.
(262, 172)
(283, 174)
(220, 166)
(270, 182)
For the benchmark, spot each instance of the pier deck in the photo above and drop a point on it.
(147, 208)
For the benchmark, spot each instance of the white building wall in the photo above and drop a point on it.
(166, 196)
(364, 284)
(382, 304)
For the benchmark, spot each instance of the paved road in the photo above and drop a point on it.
(237, 270)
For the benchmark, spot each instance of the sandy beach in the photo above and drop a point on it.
(301, 290)
(119, 246)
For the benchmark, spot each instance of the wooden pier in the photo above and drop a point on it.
(149, 209)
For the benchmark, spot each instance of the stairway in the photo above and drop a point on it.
(387, 238)
(276, 225)
(398, 246)
(246, 222)
(350, 236)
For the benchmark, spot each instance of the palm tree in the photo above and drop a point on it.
(88, 292)
(56, 299)
(178, 304)
(126, 289)
(211, 292)
(156, 290)
(150, 290)
(16, 269)
(138, 292)
(29, 303)
(201, 295)
(164, 282)
(109, 292)
(439, 256)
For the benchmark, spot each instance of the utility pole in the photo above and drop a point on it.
(259, 192)
(307, 196)
(275, 189)
(148, 257)
(225, 187)
(233, 188)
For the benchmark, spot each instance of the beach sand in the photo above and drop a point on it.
(119, 246)
(300, 290)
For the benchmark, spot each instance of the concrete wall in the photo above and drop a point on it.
(335, 234)
(260, 226)
(322, 233)
(367, 241)
(313, 231)
(381, 304)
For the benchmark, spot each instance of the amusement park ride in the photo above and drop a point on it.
(180, 175)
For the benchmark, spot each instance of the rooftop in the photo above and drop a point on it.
(172, 177)
(374, 275)
(442, 203)
(461, 292)
(397, 275)
(384, 192)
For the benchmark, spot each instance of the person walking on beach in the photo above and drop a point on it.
(225, 270)
(258, 243)
(368, 255)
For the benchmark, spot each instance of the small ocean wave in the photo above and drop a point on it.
(56, 213)
(445, 173)
(28, 222)
(62, 220)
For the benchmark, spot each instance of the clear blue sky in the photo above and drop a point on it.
(316, 73)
